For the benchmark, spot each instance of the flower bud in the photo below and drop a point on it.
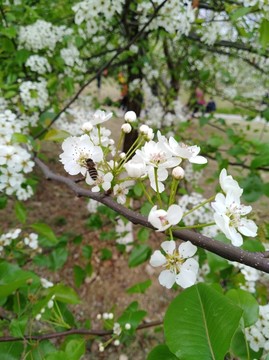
(87, 126)
(127, 326)
(126, 128)
(50, 304)
(178, 173)
(117, 342)
(144, 129)
(130, 116)
(122, 155)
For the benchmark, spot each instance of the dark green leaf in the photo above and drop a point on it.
(139, 287)
(79, 275)
(20, 212)
(46, 231)
(196, 324)
(139, 254)
(161, 352)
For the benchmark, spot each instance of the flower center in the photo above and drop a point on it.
(174, 262)
(157, 158)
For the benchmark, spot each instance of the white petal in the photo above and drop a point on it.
(248, 227)
(198, 160)
(186, 278)
(187, 250)
(157, 259)
(174, 214)
(167, 278)
(168, 246)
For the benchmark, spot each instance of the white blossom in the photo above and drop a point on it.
(162, 219)
(178, 266)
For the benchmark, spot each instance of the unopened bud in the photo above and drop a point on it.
(127, 326)
(87, 126)
(178, 173)
(144, 129)
(130, 116)
(126, 128)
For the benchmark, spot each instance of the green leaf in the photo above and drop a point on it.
(261, 160)
(64, 294)
(264, 33)
(138, 189)
(139, 254)
(19, 138)
(56, 135)
(12, 278)
(58, 355)
(39, 352)
(161, 352)
(239, 12)
(217, 263)
(133, 316)
(20, 212)
(247, 303)
(79, 275)
(75, 348)
(46, 231)
(197, 325)
(241, 349)
(143, 234)
(17, 326)
(139, 287)
(106, 254)
(11, 350)
(87, 251)
(3, 201)
(58, 258)
(253, 187)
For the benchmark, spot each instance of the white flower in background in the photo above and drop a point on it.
(229, 217)
(184, 151)
(38, 64)
(178, 266)
(125, 233)
(228, 184)
(103, 181)
(121, 190)
(92, 206)
(34, 94)
(100, 116)
(76, 151)
(31, 241)
(162, 219)
(46, 283)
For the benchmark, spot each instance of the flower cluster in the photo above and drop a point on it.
(15, 160)
(38, 64)
(13, 239)
(42, 35)
(258, 334)
(34, 94)
(230, 213)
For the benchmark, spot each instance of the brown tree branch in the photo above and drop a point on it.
(256, 260)
(60, 334)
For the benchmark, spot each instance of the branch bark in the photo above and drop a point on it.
(60, 334)
(256, 260)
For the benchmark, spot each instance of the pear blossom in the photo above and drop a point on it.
(229, 217)
(227, 183)
(162, 219)
(103, 181)
(100, 116)
(76, 151)
(184, 151)
(178, 266)
(136, 167)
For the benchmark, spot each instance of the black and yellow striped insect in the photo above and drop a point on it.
(90, 165)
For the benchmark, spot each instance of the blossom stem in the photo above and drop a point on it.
(157, 186)
(195, 226)
(173, 191)
(146, 193)
(130, 152)
(200, 205)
